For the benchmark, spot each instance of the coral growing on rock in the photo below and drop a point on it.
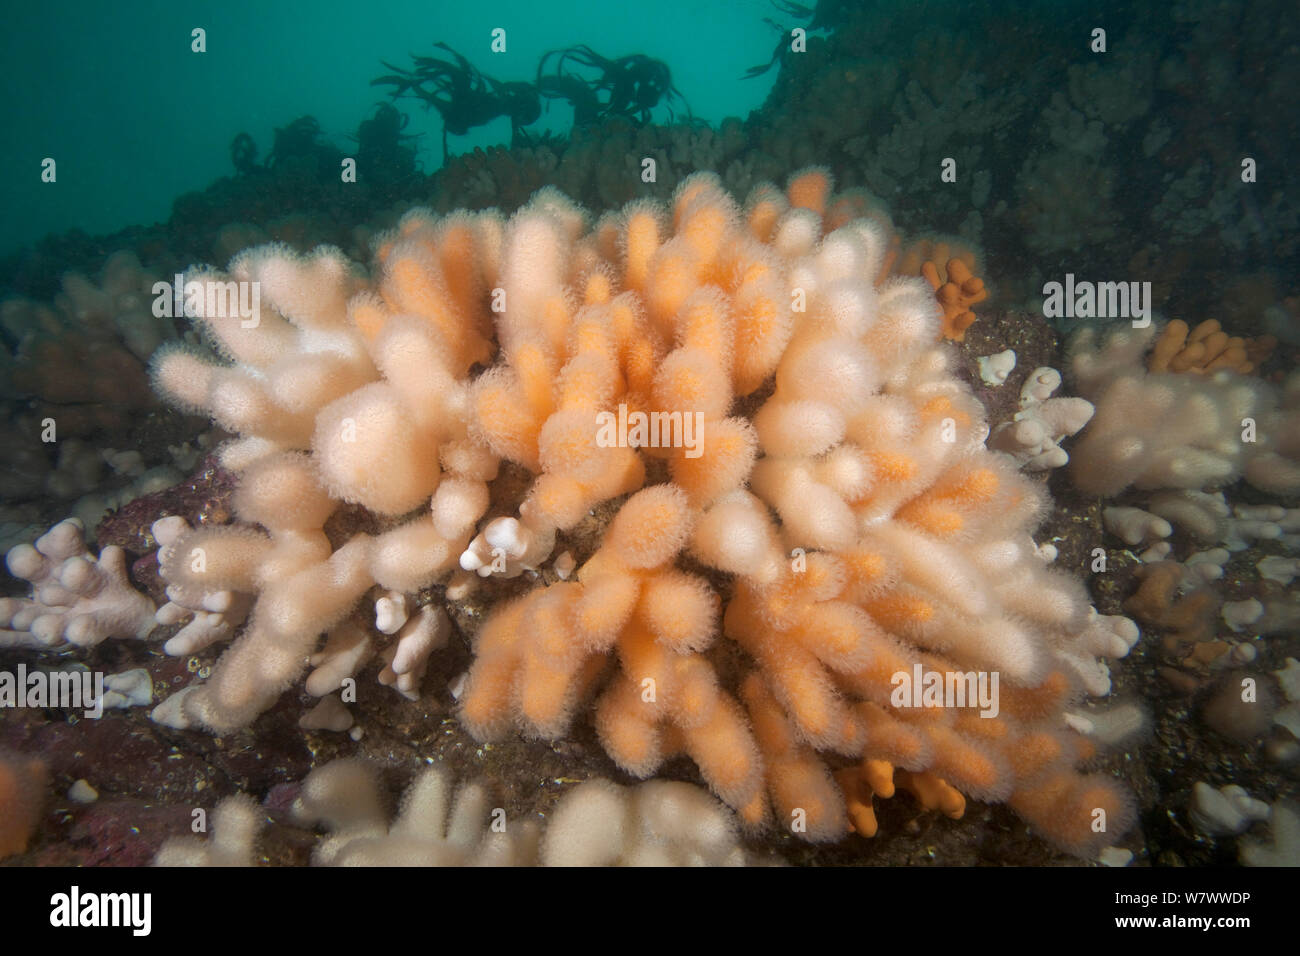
(908, 534)
(431, 828)
(597, 823)
(76, 598)
(81, 362)
(1206, 348)
(819, 494)
(957, 289)
(1179, 429)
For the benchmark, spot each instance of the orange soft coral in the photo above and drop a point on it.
(950, 266)
(901, 544)
(1206, 348)
(810, 456)
(22, 796)
(626, 599)
(957, 290)
(879, 778)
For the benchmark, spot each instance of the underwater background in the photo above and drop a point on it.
(1010, 154)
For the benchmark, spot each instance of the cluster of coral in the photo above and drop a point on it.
(813, 513)
(76, 598)
(76, 398)
(1184, 423)
(900, 540)
(709, 475)
(84, 357)
(1199, 427)
(597, 823)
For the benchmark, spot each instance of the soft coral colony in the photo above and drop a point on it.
(850, 525)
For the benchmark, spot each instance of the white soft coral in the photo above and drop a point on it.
(76, 598)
